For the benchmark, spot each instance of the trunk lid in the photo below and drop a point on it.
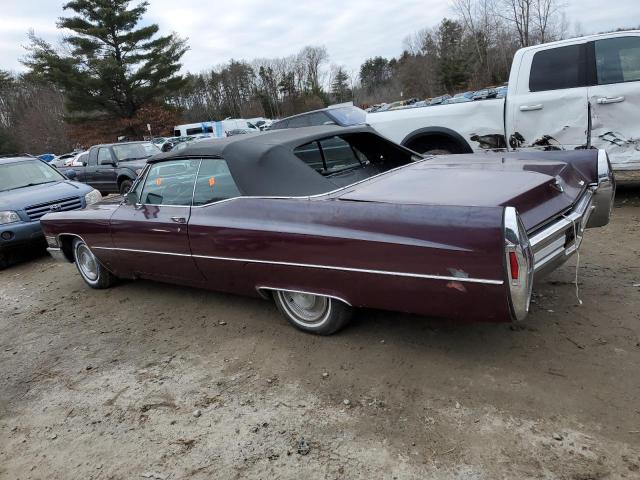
(539, 189)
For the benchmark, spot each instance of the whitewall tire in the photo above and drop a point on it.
(313, 313)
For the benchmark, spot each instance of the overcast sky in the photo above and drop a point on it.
(352, 30)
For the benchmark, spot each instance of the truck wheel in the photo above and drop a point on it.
(90, 268)
(313, 313)
(125, 186)
(437, 151)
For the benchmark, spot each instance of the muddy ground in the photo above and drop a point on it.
(154, 381)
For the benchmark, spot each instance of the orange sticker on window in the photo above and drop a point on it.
(158, 181)
(212, 181)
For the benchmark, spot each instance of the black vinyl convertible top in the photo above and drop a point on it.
(264, 163)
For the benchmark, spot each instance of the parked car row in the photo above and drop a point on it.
(470, 96)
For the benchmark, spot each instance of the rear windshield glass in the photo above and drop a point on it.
(347, 116)
(134, 151)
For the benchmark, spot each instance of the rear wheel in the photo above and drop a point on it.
(125, 186)
(313, 313)
(90, 268)
(437, 151)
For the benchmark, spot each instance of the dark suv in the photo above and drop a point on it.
(113, 167)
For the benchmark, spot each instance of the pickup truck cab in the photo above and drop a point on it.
(112, 168)
(567, 95)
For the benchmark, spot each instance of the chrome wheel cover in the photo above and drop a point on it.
(304, 308)
(87, 262)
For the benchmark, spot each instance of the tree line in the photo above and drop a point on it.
(112, 77)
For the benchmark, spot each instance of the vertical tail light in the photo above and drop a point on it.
(513, 265)
(519, 263)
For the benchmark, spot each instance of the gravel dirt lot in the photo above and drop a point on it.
(154, 381)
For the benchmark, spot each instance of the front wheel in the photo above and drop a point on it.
(125, 186)
(90, 268)
(313, 313)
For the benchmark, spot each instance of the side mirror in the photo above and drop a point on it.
(70, 174)
(131, 198)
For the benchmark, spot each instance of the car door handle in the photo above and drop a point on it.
(179, 219)
(605, 100)
(530, 108)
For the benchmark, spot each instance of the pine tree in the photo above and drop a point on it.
(340, 86)
(111, 66)
(6, 79)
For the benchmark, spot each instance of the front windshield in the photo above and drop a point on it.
(26, 173)
(347, 116)
(134, 151)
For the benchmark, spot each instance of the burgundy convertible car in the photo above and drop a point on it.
(324, 219)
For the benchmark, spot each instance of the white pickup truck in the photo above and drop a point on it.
(572, 94)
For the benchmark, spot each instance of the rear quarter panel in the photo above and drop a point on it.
(342, 248)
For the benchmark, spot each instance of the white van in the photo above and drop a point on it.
(217, 129)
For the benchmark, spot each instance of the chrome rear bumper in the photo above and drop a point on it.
(554, 244)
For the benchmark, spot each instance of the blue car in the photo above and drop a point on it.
(30, 188)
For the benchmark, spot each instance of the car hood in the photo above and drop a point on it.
(539, 189)
(20, 198)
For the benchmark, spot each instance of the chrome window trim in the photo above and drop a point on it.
(318, 266)
(259, 288)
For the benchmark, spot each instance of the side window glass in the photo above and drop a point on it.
(297, 122)
(214, 183)
(310, 154)
(618, 60)
(104, 156)
(170, 183)
(558, 68)
(338, 155)
(319, 118)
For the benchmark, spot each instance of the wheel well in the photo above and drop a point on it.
(422, 142)
(122, 178)
(66, 245)
(269, 292)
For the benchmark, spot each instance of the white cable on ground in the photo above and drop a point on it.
(575, 239)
